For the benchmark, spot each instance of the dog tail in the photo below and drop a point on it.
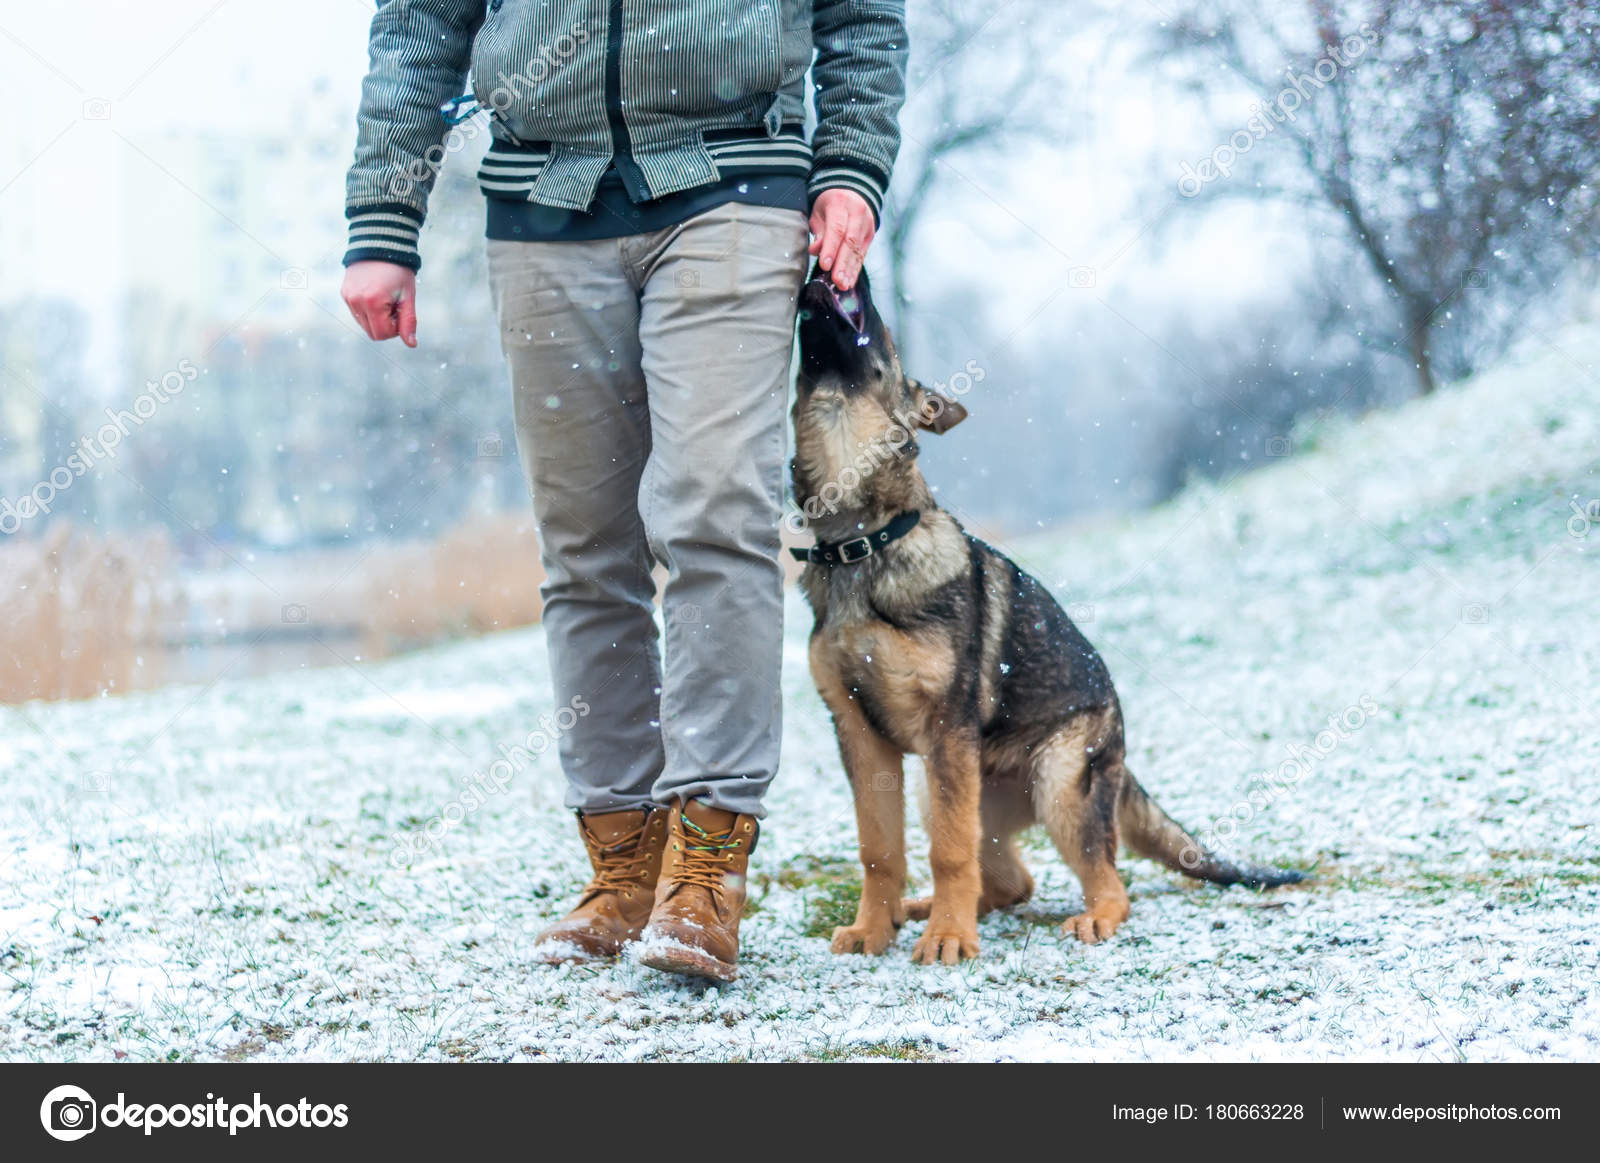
(1149, 831)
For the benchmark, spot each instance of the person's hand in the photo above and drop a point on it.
(383, 298)
(842, 227)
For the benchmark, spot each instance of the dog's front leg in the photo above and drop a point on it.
(953, 825)
(877, 778)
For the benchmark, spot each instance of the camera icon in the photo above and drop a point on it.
(68, 1113)
(685, 614)
(1081, 278)
(294, 614)
(1474, 615)
(97, 109)
(491, 448)
(1278, 446)
(884, 781)
(294, 279)
(1081, 611)
(1475, 278)
(687, 280)
(97, 782)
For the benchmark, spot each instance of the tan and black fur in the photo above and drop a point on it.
(938, 645)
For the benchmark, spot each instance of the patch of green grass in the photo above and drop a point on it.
(829, 885)
(829, 905)
(244, 1051)
(812, 870)
(897, 1051)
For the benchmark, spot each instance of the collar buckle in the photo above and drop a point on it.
(854, 550)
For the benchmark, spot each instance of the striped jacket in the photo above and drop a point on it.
(673, 93)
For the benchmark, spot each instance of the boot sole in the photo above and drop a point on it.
(686, 962)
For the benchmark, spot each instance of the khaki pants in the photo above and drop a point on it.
(650, 380)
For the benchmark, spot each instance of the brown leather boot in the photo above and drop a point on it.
(625, 849)
(694, 928)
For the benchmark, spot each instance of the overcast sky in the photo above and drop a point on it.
(176, 62)
(248, 65)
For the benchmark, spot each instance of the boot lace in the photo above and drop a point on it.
(620, 867)
(703, 861)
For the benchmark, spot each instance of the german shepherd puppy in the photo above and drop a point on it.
(930, 642)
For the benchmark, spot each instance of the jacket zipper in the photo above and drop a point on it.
(621, 147)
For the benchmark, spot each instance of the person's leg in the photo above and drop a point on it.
(569, 326)
(717, 332)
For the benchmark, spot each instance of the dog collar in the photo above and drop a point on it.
(858, 548)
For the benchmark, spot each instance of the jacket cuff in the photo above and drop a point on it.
(840, 173)
(386, 232)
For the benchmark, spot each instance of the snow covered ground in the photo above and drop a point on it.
(203, 873)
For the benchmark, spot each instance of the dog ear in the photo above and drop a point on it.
(935, 412)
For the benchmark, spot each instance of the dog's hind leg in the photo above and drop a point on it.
(1075, 793)
(1004, 809)
(1006, 880)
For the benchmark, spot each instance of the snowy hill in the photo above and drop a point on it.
(205, 872)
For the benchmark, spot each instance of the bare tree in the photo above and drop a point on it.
(1457, 142)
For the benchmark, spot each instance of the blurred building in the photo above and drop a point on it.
(245, 220)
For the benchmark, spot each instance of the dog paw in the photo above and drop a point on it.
(1089, 928)
(918, 908)
(989, 904)
(944, 945)
(862, 939)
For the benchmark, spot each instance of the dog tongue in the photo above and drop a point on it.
(850, 307)
(847, 304)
